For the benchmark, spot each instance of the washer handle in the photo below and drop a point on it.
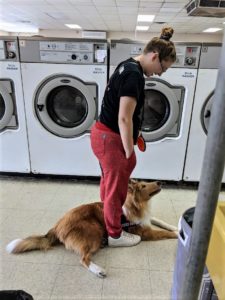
(40, 107)
(208, 113)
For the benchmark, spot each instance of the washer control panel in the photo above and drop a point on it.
(187, 56)
(8, 50)
(85, 53)
(136, 49)
(63, 51)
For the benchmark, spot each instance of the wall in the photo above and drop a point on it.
(206, 37)
(2, 33)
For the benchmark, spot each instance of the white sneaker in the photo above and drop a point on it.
(125, 240)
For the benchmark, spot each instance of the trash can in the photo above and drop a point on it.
(216, 252)
(207, 291)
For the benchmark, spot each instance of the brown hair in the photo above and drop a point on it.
(163, 45)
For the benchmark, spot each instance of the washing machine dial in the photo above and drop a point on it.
(189, 60)
(85, 57)
(11, 54)
(74, 56)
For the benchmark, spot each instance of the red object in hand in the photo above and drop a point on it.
(141, 143)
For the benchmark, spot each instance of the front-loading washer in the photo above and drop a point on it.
(167, 110)
(63, 81)
(14, 153)
(206, 82)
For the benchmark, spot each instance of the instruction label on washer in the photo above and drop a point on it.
(12, 67)
(98, 70)
(188, 74)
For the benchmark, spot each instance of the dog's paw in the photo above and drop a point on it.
(176, 232)
(173, 228)
(100, 272)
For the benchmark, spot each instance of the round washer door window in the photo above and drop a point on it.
(206, 112)
(161, 110)
(66, 106)
(6, 107)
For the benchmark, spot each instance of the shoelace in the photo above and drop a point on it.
(128, 235)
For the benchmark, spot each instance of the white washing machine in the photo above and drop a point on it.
(206, 82)
(121, 50)
(63, 83)
(14, 154)
(167, 111)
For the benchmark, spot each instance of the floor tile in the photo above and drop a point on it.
(75, 282)
(128, 257)
(6, 270)
(162, 255)
(36, 279)
(9, 195)
(25, 221)
(164, 212)
(68, 196)
(161, 283)
(127, 284)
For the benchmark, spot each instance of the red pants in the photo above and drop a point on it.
(116, 171)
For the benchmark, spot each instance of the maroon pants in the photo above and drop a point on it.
(116, 171)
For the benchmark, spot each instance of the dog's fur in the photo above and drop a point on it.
(82, 229)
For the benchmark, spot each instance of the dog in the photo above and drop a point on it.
(82, 229)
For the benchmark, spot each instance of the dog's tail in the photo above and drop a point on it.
(38, 242)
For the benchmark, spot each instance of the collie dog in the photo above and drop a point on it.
(82, 229)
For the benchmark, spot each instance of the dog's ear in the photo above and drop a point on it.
(132, 181)
(132, 185)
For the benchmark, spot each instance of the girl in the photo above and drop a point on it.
(113, 137)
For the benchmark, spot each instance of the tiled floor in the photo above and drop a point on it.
(29, 206)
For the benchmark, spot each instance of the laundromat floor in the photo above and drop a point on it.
(32, 206)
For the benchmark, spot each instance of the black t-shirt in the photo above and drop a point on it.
(127, 80)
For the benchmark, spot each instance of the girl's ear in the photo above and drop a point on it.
(154, 56)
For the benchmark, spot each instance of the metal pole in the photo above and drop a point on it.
(209, 187)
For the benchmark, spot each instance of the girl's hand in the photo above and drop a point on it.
(128, 154)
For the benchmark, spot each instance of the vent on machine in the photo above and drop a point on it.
(206, 8)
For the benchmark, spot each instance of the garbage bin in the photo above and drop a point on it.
(207, 291)
(216, 252)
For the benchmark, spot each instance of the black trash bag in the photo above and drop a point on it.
(189, 216)
(15, 295)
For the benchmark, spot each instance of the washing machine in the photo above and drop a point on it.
(206, 82)
(14, 154)
(121, 50)
(63, 82)
(167, 111)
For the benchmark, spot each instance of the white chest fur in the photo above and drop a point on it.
(144, 221)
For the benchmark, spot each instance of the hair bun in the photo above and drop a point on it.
(166, 33)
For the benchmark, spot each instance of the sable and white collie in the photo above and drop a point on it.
(82, 229)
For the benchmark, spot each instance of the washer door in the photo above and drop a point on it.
(6, 104)
(162, 110)
(66, 106)
(206, 112)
